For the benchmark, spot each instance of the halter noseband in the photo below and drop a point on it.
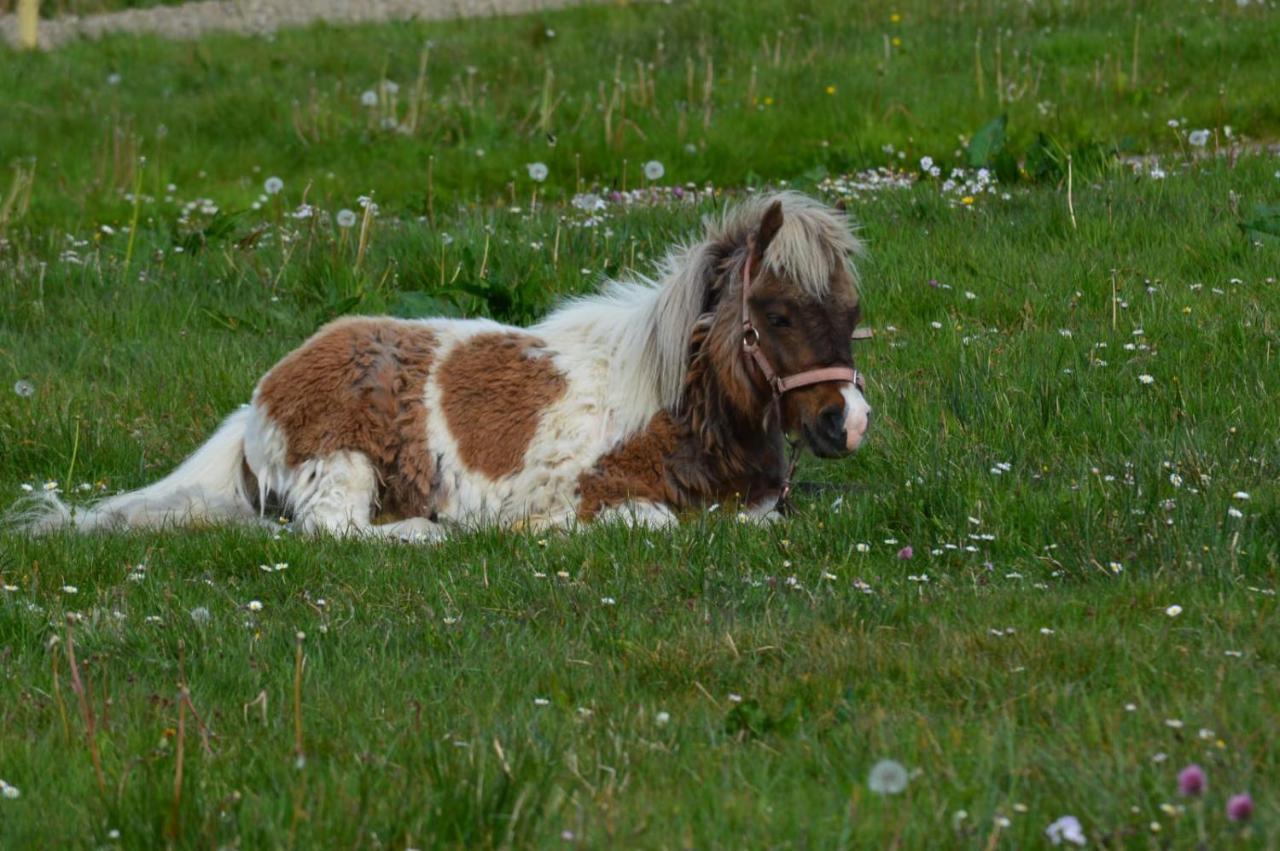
(779, 385)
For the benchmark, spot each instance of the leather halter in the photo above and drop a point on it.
(779, 385)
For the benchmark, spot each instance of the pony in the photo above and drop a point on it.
(656, 396)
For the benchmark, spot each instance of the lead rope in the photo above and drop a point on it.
(793, 460)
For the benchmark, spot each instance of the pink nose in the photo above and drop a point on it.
(855, 428)
(857, 417)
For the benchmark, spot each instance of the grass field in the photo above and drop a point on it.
(1075, 377)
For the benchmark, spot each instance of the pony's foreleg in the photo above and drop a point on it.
(414, 530)
(763, 513)
(639, 513)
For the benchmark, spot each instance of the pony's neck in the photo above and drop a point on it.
(730, 417)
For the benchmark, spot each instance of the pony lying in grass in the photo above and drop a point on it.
(650, 398)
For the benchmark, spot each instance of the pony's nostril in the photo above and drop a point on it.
(831, 422)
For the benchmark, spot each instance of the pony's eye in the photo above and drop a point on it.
(777, 320)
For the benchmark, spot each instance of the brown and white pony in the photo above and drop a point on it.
(650, 398)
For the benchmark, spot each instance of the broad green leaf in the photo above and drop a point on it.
(1266, 219)
(987, 142)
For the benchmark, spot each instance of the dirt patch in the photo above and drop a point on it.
(261, 17)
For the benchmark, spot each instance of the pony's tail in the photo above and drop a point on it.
(207, 487)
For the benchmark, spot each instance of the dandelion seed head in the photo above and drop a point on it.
(272, 185)
(887, 777)
(1066, 829)
(654, 170)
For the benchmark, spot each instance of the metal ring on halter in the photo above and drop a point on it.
(750, 338)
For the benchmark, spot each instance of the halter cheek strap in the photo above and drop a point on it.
(779, 385)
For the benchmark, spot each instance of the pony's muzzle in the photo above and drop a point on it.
(840, 428)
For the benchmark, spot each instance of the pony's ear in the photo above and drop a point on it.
(770, 224)
(841, 206)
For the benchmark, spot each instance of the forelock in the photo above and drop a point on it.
(814, 240)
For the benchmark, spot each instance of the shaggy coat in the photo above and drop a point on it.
(636, 403)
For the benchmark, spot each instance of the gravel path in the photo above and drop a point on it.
(192, 20)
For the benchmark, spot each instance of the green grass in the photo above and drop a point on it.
(728, 92)
(481, 693)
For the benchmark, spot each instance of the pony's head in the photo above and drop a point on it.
(782, 310)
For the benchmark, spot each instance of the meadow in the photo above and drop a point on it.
(1044, 586)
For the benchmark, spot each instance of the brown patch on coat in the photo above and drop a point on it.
(635, 469)
(493, 389)
(358, 385)
(669, 463)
